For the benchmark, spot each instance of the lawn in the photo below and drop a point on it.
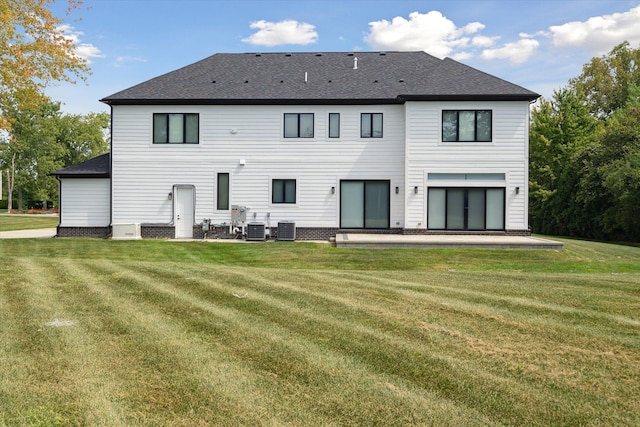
(152, 332)
(27, 222)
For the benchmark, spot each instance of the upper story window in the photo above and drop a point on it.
(371, 125)
(298, 125)
(334, 125)
(178, 128)
(466, 125)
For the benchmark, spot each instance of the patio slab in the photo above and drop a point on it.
(387, 241)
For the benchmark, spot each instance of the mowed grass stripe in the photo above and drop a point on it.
(168, 372)
(274, 353)
(249, 279)
(563, 304)
(62, 384)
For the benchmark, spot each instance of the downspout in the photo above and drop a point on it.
(110, 169)
(59, 206)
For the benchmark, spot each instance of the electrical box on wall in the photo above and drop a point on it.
(238, 213)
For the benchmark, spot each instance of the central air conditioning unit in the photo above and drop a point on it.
(286, 230)
(256, 231)
(125, 232)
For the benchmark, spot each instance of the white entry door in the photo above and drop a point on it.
(184, 216)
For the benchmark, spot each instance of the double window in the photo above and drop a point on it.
(283, 191)
(466, 126)
(298, 125)
(371, 125)
(178, 128)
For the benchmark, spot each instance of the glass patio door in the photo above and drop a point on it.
(364, 204)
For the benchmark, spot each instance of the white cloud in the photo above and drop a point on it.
(121, 60)
(83, 50)
(600, 33)
(281, 33)
(483, 41)
(431, 32)
(516, 53)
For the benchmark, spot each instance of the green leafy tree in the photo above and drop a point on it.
(44, 140)
(561, 128)
(615, 169)
(604, 82)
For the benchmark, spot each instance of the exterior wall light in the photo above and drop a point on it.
(415, 190)
(170, 196)
(517, 190)
(333, 190)
(397, 190)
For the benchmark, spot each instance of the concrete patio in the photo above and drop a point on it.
(384, 241)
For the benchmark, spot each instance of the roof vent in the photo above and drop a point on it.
(318, 54)
(383, 53)
(355, 63)
(401, 81)
(287, 54)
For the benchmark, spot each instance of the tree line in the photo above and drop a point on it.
(584, 169)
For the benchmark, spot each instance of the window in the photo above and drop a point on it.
(334, 125)
(466, 209)
(175, 128)
(298, 125)
(466, 125)
(283, 191)
(371, 125)
(223, 192)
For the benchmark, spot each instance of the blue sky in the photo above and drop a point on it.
(538, 44)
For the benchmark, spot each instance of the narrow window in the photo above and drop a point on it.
(178, 128)
(466, 125)
(334, 125)
(223, 192)
(298, 125)
(371, 125)
(283, 191)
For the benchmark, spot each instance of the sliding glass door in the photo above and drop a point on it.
(364, 204)
(466, 209)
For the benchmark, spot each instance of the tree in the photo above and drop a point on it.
(33, 53)
(615, 164)
(44, 140)
(561, 129)
(604, 82)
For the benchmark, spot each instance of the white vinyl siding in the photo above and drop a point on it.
(144, 173)
(248, 142)
(506, 154)
(85, 202)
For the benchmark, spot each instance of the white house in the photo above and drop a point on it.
(385, 142)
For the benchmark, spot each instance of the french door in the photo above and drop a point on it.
(364, 204)
(466, 209)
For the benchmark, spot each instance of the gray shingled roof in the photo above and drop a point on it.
(281, 78)
(98, 167)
